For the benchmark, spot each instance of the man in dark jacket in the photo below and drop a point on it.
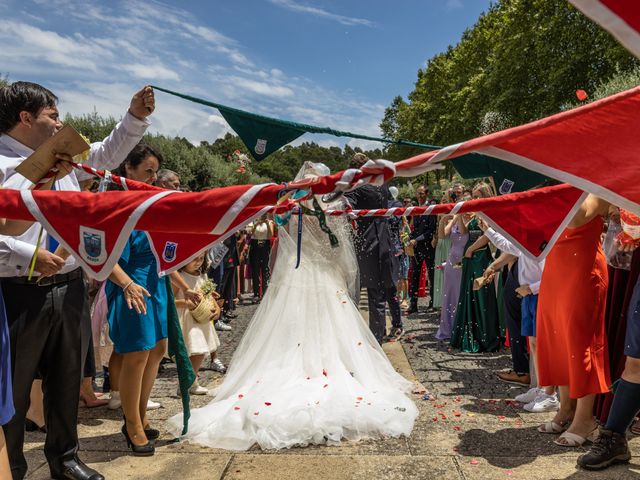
(424, 228)
(376, 260)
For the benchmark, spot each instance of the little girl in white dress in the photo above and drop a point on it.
(200, 339)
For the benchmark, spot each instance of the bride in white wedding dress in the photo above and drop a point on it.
(308, 370)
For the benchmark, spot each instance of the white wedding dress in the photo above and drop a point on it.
(308, 370)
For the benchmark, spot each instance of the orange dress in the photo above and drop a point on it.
(571, 337)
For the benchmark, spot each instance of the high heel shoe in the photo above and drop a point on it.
(146, 450)
(31, 426)
(150, 433)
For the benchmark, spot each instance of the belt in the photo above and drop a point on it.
(259, 242)
(46, 281)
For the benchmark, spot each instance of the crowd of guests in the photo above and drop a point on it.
(571, 321)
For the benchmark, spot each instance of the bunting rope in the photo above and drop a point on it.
(300, 127)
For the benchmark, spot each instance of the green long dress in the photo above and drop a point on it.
(442, 253)
(476, 327)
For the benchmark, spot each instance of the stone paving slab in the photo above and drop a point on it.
(468, 428)
(258, 467)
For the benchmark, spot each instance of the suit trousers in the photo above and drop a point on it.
(423, 253)
(50, 330)
(377, 299)
(228, 290)
(513, 317)
(259, 261)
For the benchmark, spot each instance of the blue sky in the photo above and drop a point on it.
(324, 62)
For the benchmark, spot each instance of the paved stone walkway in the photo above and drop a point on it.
(468, 429)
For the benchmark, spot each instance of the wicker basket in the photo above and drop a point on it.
(206, 311)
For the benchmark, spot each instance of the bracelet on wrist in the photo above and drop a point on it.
(124, 289)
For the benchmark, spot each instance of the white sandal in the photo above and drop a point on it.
(553, 427)
(568, 439)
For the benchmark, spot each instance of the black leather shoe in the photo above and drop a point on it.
(231, 315)
(74, 469)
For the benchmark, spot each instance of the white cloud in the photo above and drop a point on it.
(155, 71)
(319, 12)
(96, 55)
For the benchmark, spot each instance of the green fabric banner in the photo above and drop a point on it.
(178, 350)
(506, 176)
(262, 138)
(252, 128)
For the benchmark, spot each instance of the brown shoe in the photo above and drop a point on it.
(522, 379)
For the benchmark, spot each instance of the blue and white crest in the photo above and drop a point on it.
(506, 186)
(92, 245)
(169, 252)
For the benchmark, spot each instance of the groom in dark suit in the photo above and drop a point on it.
(378, 265)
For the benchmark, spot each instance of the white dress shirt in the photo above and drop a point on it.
(16, 252)
(529, 271)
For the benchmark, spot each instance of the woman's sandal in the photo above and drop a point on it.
(568, 439)
(635, 428)
(553, 427)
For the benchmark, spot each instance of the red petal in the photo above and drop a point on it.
(474, 462)
(256, 413)
(240, 395)
(268, 404)
(236, 408)
(324, 372)
(325, 385)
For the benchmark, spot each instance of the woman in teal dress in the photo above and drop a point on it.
(138, 310)
(476, 328)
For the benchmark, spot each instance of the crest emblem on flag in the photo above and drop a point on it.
(92, 246)
(261, 146)
(169, 252)
(506, 186)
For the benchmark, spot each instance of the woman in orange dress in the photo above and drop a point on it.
(572, 351)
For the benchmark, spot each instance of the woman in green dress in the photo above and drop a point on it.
(476, 328)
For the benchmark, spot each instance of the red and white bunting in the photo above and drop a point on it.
(621, 18)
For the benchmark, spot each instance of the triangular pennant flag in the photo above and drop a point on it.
(98, 230)
(261, 137)
(620, 17)
(595, 147)
(506, 176)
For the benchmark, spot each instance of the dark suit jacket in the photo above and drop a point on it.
(424, 228)
(379, 267)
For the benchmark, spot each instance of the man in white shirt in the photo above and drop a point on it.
(49, 322)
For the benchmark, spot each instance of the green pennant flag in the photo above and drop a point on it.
(506, 176)
(261, 137)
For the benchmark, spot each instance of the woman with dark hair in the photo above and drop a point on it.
(137, 313)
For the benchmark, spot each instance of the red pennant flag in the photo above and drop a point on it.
(595, 147)
(620, 17)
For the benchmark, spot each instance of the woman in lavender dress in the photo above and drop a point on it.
(452, 276)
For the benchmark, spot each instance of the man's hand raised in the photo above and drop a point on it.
(143, 103)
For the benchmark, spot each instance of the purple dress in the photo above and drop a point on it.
(451, 283)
